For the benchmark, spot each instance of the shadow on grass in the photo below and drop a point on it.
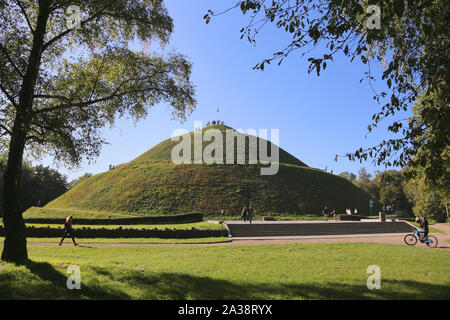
(179, 286)
(41, 280)
(46, 282)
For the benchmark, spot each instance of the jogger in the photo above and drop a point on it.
(68, 231)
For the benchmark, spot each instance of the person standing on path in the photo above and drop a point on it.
(244, 213)
(325, 213)
(250, 213)
(68, 231)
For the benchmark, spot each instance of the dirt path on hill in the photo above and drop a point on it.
(380, 238)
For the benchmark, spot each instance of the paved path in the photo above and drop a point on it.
(379, 238)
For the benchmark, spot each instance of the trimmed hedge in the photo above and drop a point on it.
(349, 217)
(181, 218)
(120, 232)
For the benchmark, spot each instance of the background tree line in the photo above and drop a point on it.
(411, 196)
(39, 184)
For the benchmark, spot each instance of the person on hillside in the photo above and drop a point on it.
(325, 213)
(244, 213)
(68, 231)
(250, 214)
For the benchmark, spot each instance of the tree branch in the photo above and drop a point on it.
(63, 34)
(5, 129)
(87, 103)
(10, 98)
(8, 57)
(46, 96)
(25, 15)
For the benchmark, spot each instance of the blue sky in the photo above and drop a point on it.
(318, 117)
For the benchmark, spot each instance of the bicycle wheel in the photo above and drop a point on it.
(410, 239)
(433, 241)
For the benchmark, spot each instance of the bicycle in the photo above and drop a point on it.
(411, 239)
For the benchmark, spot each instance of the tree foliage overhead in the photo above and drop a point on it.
(89, 76)
(412, 43)
(67, 70)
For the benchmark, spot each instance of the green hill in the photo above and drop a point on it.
(152, 184)
(163, 151)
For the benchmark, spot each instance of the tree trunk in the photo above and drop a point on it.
(15, 246)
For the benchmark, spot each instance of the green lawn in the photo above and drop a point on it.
(291, 271)
(68, 241)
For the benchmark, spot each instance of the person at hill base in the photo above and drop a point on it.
(334, 214)
(250, 214)
(244, 213)
(325, 213)
(68, 231)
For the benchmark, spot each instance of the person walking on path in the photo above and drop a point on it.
(334, 215)
(250, 213)
(325, 213)
(68, 231)
(244, 213)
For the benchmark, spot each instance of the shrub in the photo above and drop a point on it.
(46, 232)
(349, 217)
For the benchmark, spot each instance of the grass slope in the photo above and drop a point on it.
(153, 185)
(294, 271)
(36, 212)
(166, 188)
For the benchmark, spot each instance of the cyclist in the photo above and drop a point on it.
(423, 231)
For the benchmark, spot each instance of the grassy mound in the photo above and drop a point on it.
(163, 151)
(153, 185)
